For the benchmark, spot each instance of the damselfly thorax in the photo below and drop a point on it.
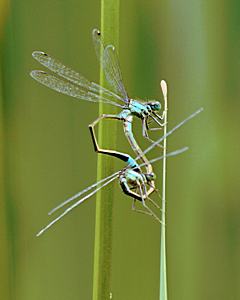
(135, 184)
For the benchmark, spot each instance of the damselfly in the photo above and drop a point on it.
(131, 179)
(77, 86)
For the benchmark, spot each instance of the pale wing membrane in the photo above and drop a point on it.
(170, 132)
(112, 71)
(81, 193)
(74, 205)
(108, 58)
(68, 88)
(170, 154)
(60, 69)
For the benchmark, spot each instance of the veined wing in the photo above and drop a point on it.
(170, 154)
(68, 88)
(109, 60)
(154, 144)
(63, 71)
(70, 208)
(82, 192)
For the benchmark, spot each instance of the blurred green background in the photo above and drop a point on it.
(46, 153)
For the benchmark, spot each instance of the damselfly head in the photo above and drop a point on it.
(155, 105)
(150, 176)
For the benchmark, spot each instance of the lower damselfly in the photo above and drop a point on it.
(132, 180)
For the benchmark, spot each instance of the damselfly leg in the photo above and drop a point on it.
(148, 210)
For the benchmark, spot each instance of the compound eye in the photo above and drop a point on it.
(153, 176)
(157, 106)
(150, 176)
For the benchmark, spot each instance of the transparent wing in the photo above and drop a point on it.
(173, 153)
(69, 89)
(63, 71)
(81, 193)
(109, 60)
(75, 205)
(170, 132)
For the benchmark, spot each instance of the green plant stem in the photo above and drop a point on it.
(104, 201)
(4, 251)
(163, 263)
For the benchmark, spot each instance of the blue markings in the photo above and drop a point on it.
(124, 114)
(137, 108)
(129, 129)
(132, 163)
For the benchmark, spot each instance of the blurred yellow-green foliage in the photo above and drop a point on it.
(46, 152)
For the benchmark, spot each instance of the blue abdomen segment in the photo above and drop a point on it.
(126, 158)
(124, 114)
(132, 163)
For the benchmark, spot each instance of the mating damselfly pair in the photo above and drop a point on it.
(137, 180)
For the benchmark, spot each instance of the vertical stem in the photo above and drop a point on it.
(163, 263)
(104, 201)
(4, 251)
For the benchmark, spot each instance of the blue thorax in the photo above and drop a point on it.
(139, 109)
